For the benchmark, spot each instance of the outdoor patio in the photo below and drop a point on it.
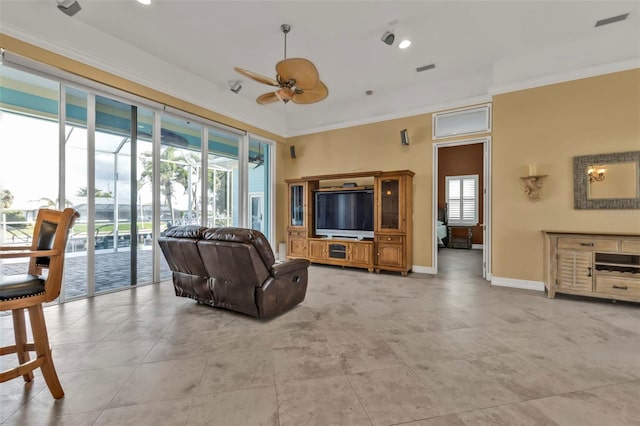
(112, 271)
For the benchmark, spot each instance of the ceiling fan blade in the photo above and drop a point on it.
(267, 98)
(316, 94)
(299, 69)
(257, 77)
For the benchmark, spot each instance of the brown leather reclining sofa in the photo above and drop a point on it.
(233, 268)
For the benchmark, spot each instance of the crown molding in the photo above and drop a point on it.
(563, 77)
(459, 103)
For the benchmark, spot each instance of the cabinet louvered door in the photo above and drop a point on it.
(575, 270)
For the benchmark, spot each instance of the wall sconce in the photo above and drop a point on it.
(533, 183)
(596, 174)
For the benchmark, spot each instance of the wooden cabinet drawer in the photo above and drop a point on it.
(297, 234)
(630, 246)
(588, 244)
(618, 286)
(390, 238)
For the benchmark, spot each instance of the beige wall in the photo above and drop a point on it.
(548, 126)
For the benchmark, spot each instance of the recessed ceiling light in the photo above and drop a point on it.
(404, 44)
(145, 2)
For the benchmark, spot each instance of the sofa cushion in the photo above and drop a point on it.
(180, 248)
(243, 235)
(185, 231)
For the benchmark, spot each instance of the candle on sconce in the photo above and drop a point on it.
(533, 171)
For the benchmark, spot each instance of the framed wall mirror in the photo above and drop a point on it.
(607, 181)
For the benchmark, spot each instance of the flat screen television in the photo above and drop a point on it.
(344, 213)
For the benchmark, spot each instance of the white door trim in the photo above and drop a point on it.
(486, 190)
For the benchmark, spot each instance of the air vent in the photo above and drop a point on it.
(426, 67)
(611, 20)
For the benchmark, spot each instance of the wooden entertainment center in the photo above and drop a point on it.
(390, 248)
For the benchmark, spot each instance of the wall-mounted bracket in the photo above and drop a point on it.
(533, 186)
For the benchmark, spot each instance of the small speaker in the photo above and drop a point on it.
(404, 137)
(292, 151)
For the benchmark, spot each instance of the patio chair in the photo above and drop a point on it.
(31, 290)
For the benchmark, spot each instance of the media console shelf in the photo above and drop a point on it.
(589, 264)
(391, 247)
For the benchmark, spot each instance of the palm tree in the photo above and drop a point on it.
(217, 190)
(172, 171)
(53, 204)
(84, 192)
(6, 198)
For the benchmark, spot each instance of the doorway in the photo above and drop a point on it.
(461, 198)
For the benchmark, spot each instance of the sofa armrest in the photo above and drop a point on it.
(284, 268)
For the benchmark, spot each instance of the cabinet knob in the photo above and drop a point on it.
(388, 238)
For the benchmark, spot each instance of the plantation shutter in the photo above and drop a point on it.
(462, 200)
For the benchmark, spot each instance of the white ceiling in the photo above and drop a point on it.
(189, 48)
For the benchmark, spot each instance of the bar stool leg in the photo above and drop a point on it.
(41, 342)
(20, 333)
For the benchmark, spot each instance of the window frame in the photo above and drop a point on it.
(462, 222)
(438, 116)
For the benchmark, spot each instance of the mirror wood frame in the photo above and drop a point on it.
(581, 164)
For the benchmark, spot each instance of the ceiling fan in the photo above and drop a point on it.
(297, 80)
(258, 158)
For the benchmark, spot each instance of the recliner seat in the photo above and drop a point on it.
(233, 268)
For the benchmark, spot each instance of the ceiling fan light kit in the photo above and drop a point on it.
(297, 80)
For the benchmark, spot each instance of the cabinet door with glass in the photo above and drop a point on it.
(300, 193)
(297, 204)
(390, 212)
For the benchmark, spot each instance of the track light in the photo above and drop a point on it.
(388, 37)
(235, 86)
(69, 7)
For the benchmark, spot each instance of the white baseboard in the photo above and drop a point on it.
(514, 283)
(423, 269)
(477, 246)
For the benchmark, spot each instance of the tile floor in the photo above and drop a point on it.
(362, 349)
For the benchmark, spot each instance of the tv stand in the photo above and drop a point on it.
(390, 249)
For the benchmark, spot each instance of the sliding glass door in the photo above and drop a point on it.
(29, 154)
(76, 278)
(259, 183)
(222, 178)
(131, 171)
